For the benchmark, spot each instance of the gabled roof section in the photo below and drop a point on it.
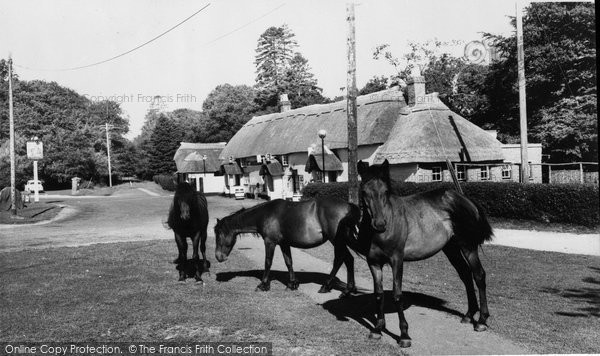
(188, 157)
(295, 130)
(415, 137)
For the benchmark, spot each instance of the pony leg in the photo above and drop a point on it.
(182, 257)
(464, 272)
(265, 283)
(337, 263)
(397, 269)
(287, 257)
(196, 256)
(479, 275)
(206, 263)
(378, 287)
(351, 284)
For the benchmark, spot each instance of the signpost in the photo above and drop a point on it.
(35, 152)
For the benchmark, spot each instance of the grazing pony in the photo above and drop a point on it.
(415, 227)
(188, 217)
(294, 224)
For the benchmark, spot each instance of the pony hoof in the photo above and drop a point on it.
(293, 286)
(480, 327)
(466, 320)
(263, 287)
(375, 336)
(325, 289)
(345, 294)
(181, 279)
(404, 343)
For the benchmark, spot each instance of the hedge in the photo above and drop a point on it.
(165, 181)
(562, 203)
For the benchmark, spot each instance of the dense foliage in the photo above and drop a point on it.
(560, 55)
(71, 128)
(561, 203)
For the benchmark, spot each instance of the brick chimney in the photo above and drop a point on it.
(284, 103)
(415, 87)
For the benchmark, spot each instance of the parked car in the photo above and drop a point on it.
(31, 185)
(239, 192)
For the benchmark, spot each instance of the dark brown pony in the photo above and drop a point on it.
(289, 224)
(416, 227)
(188, 217)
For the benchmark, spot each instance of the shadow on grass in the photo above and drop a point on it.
(283, 277)
(361, 308)
(585, 299)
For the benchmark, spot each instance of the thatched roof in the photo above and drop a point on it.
(188, 157)
(414, 138)
(295, 130)
(272, 168)
(231, 169)
(315, 163)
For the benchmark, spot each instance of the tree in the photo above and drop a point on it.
(164, 142)
(228, 108)
(70, 126)
(280, 69)
(374, 84)
(560, 55)
(300, 83)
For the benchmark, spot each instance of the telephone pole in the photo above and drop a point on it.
(13, 188)
(108, 154)
(524, 174)
(351, 108)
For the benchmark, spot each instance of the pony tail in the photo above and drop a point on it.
(470, 223)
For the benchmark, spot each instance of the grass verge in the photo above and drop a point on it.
(32, 213)
(129, 292)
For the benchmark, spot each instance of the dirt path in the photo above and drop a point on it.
(433, 332)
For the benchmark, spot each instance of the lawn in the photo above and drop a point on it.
(32, 213)
(548, 302)
(129, 292)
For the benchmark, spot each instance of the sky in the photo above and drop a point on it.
(217, 45)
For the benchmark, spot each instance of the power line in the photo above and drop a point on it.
(124, 53)
(244, 25)
(162, 34)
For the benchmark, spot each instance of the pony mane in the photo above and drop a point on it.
(232, 221)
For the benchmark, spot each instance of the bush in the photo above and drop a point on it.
(561, 203)
(165, 181)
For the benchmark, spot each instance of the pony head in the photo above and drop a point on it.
(225, 238)
(375, 192)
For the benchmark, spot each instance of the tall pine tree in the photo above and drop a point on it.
(282, 70)
(164, 142)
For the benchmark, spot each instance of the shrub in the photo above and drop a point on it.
(165, 181)
(562, 203)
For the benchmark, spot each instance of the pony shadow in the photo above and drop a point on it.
(283, 277)
(362, 307)
(190, 266)
(585, 299)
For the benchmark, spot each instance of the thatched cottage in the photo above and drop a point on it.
(199, 164)
(285, 150)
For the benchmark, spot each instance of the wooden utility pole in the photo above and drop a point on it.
(108, 154)
(351, 108)
(13, 188)
(522, 97)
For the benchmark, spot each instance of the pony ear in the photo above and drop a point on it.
(362, 167)
(384, 171)
(218, 220)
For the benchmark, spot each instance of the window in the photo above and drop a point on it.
(243, 162)
(436, 174)
(461, 172)
(484, 174)
(284, 160)
(506, 171)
